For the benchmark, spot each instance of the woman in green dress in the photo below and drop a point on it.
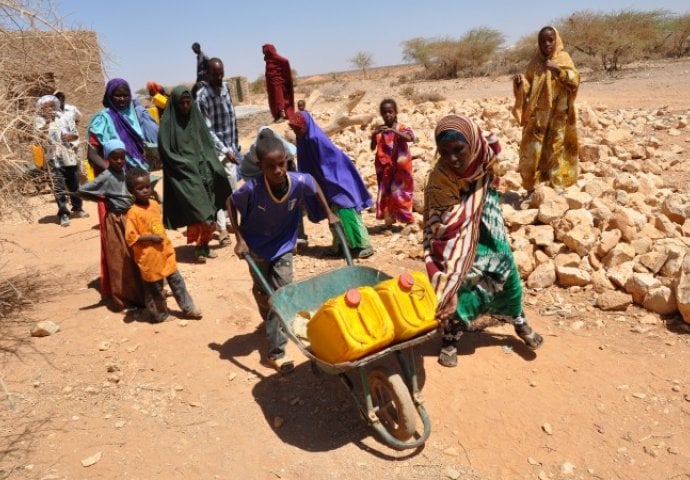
(467, 255)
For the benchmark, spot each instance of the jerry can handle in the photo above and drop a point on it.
(343, 242)
(255, 268)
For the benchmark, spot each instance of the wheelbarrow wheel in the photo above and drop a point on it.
(393, 403)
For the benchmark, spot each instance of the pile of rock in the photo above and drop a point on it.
(621, 232)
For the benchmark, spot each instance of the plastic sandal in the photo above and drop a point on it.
(448, 356)
(531, 338)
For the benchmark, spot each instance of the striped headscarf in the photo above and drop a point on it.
(453, 205)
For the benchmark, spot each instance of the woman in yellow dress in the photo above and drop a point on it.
(544, 106)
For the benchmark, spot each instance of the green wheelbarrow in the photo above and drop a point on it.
(392, 401)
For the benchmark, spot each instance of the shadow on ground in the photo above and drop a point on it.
(308, 408)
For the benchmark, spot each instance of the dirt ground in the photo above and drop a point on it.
(607, 397)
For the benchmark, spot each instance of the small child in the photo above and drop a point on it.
(393, 164)
(301, 105)
(153, 252)
(270, 209)
(120, 278)
(57, 133)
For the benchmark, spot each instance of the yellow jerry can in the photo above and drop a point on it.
(411, 303)
(350, 326)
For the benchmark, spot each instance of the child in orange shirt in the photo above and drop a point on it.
(153, 252)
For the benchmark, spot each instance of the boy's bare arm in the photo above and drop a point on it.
(240, 245)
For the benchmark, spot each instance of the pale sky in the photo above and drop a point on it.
(151, 40)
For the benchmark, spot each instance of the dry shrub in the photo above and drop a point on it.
(417, 97)
(37, 56)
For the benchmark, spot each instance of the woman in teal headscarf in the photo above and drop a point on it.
(195, 186)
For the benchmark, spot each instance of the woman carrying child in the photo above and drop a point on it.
(125, 287)
(338, 178)
(117, 121)
(393, 163)
(467, 255)
(195, 185)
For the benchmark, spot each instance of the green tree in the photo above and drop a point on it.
(677, 31)
(417, 50)
(613, 39)
(446, 57)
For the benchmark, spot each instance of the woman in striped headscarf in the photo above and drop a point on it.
(466, 250)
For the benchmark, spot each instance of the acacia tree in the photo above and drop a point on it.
(362, 60)
(678, 36)
(445, 57)
(613, 39)
(418, 50)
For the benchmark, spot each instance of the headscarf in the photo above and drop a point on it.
(453, 205)
(540, 82)
(195, 185)
(279, 86)
(332, 169)
(154, 88)
(48, 100)
(111, 145)
(125, 121)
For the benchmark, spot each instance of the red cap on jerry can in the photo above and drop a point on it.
(406, 281)
(352, 297)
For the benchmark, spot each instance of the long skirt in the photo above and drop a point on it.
(200, 233)
(493, 285)
(396, 192)
(126, 286)
(356, 232)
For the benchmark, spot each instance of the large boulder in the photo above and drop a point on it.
(621, 253)
(525, 263)
(580, 239)
(572, 277)
(660, 300)
(577, 199)
(607, 241)
(515, 218)
(540, 235)
(640, 284)
(677, 208)
(653, 261)
(543, 276)
(626, 182)
(621, 274)
(552, 209)
(612, 300)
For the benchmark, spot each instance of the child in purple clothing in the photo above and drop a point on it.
(269, 206)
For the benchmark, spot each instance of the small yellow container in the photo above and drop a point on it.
(154, 113)
(39, 157)
(411, 303)
(160, 100)
(350, 326)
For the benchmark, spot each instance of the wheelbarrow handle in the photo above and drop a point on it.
(343, 242)
(257, 272)
(264, 283)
